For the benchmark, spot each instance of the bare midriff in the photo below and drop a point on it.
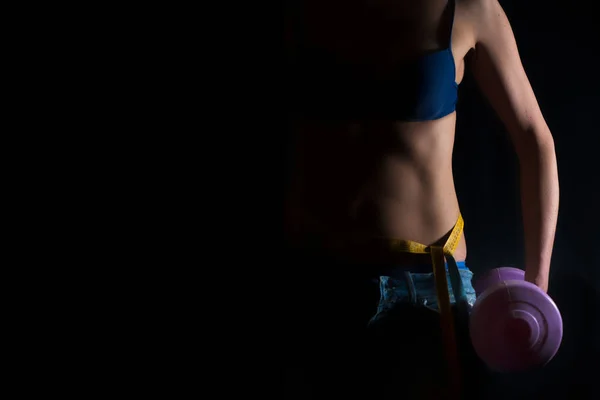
(374, 180)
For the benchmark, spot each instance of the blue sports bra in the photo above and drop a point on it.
(329, 88)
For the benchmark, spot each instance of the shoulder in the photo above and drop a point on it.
(482, 16)
(477, 7)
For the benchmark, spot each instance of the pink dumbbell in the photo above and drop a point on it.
(514, 325)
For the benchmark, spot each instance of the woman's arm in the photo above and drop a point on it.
(499, 73)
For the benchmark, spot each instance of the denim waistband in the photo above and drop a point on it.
(419, 289)
(459, 264)
(398, 272)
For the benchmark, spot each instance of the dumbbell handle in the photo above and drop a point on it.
(497, 275)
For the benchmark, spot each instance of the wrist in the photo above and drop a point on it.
(538, 277)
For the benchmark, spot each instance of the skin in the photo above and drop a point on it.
(394, 178)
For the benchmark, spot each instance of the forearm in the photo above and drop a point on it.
(539, 201)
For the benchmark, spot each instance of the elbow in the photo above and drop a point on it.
(533, 140)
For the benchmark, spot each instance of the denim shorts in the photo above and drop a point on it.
(359, 321)
(418, 289)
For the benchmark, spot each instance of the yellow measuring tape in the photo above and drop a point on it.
(438, 254)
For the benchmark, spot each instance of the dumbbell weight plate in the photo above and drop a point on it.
(515, 326)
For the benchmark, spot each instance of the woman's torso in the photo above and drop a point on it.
(375, 177)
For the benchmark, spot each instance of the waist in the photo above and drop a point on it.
(364, 258)
(398, 270)
(366, 249)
